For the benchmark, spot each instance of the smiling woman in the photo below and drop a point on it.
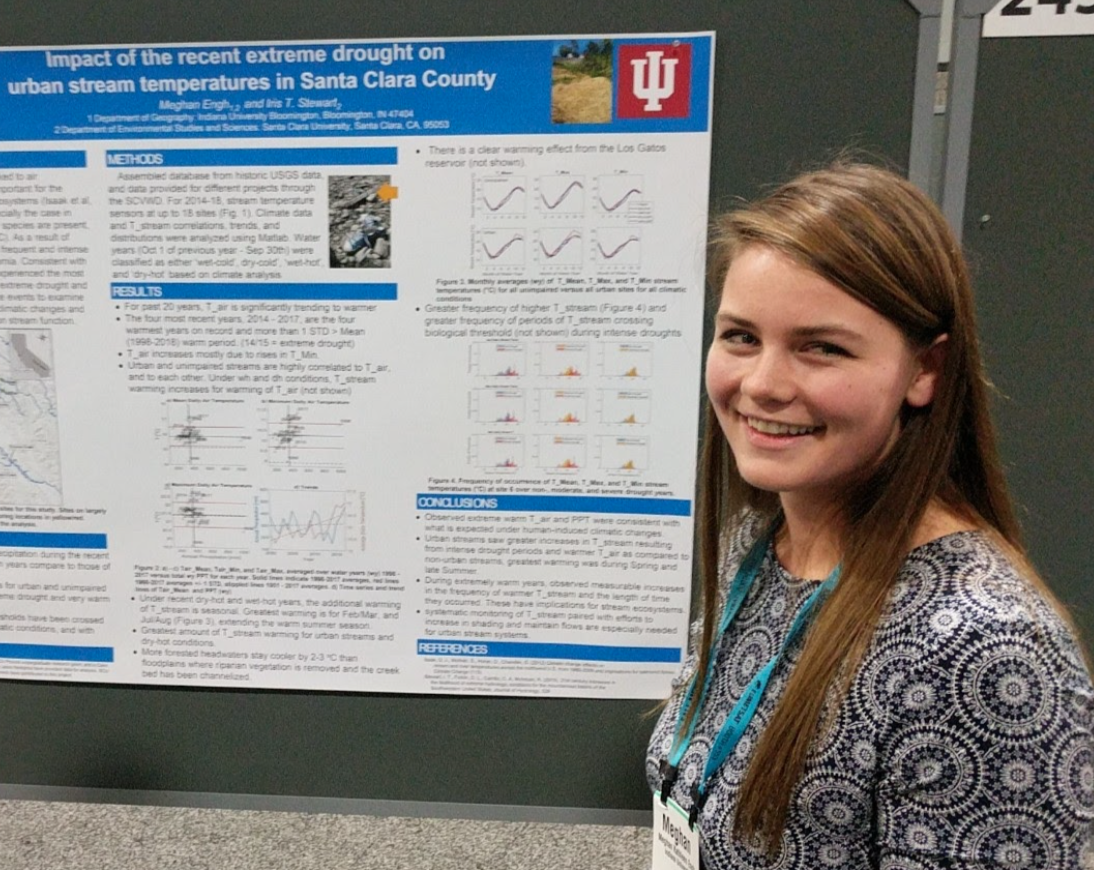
(926, 705)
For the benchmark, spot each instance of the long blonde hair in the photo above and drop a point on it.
(877, 237)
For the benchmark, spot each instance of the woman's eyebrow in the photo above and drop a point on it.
(833, 330)
(729, 317)
(827, 330)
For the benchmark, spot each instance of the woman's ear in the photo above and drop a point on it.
(930, 361)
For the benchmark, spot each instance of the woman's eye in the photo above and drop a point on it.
(825, 348)
(738, 336)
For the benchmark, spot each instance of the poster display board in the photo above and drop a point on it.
(357, 366)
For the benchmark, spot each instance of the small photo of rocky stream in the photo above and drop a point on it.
(360, 222)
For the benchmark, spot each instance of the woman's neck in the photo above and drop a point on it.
(808, 543)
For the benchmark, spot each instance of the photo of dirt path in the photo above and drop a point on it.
(581, 83)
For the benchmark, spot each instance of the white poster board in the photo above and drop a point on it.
(366, 366)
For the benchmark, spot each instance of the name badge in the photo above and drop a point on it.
(675, 844)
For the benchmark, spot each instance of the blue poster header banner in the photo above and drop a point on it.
(578, 504)
(52, 653)
(578, 652)
(144, 159)
(395, 88)
(54, 540)
(43, 160)
(146, 292)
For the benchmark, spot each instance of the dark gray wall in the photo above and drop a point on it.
(1030, 171)
(794, 82)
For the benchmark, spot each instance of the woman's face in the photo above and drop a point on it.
(807, 382)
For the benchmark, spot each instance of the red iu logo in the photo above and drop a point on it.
(654, 81)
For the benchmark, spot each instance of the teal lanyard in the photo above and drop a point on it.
(745, 709)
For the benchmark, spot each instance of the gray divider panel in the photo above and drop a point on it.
(794, 83)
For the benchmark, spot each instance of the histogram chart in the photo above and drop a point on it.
(559, 249)
(500, 250)
(500, 196)
(624, 455)
(303, 436)
(625, 407)
(561, 453)
(501, 359)
(561, 195)
(630, 360)
(207, 434)
(566, 407)
(498, 406)
(496, 452)
(210, 516)
(617, 249)
(564, 359)
(304, 520)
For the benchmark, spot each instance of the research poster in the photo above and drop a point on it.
(352, 365)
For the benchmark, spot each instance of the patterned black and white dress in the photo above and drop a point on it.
(966, 739)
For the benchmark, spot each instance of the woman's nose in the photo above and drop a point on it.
(769, 378)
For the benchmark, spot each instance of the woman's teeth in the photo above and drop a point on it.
(769, 428)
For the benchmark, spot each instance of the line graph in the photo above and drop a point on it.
(500, 249)
(615, 193)
(560, 194)
(307, 519)
(559, 247)
(618, 248)
(299, 435)
(500, 196)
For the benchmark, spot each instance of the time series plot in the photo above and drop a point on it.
(221, 519)
(621, 196)
(499, 249)
(560, 196)
(616, 249)
(499, 196)
(310, 520)
(559, 249)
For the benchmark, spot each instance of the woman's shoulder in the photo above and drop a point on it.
(968, 575)
(962, 606)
